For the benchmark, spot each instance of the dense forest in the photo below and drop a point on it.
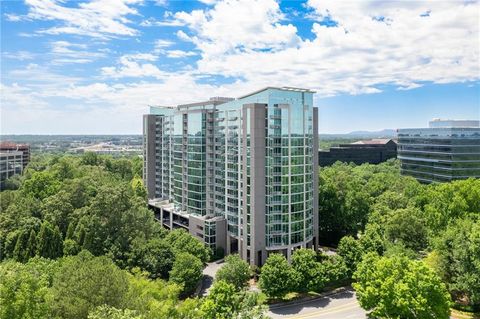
(77, 241)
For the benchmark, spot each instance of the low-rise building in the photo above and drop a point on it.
(13, 147)
(373, 151)
(11, 163)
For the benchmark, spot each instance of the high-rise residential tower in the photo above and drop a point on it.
(447, 150)
(239, 174)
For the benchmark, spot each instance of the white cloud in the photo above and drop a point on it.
(97, 18)
(160, 44)
(64, 52)
(34, 75)
(250, 41)
(19, 55)
(175, 54)
(209, 2)
(161, 3)
(128, 66)
(13, 17)
(152, 22)
(234, 26)
(374, 44)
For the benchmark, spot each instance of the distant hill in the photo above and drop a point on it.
(386, 133)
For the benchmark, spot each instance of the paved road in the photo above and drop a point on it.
(342, 305)
(208, 275)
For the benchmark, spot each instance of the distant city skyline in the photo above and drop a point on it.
(89, 67)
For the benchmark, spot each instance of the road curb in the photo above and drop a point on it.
(308, 298)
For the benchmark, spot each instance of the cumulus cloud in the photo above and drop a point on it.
(236, 26)
(367, 44)
(97, 18)
(130, 66)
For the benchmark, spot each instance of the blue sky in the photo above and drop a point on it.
(93, 67)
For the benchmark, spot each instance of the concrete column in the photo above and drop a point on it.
(149, 160)
(258, 113)
(315, 177)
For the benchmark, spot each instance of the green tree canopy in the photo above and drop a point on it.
(24, 289)
(458, 250)
(84, 282)
(351, 251)
(398, 287)
(154, 256)
(306, 267)
(224, 301)
(407, 226)
(186, 271)
(277, 277)
(181, 241)
(235, 271)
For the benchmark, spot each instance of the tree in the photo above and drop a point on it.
(31, 245)
(334, 270)
(235, 271)
(84, 282)
(91, 158)
(21, 247)
(107, 312)
(154, 256)
(351, 251)
(49, 242)
(13, 183)
(344, 203)
(156, 299)
(57, 210)
(138, 188)
(186, 271)
(70, 231)
(40, 185)
(122, 168)
(277, 277)
(70, 247)
(181, 241)
(252, 306)
(444, 202)
(221, 302)
(305, 265)
(458, 250)
(24, 289)
(372, 239)
(398, 287)
(406, 226)
(224, 301)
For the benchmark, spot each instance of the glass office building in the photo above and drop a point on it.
(240, 174)
(440, 153)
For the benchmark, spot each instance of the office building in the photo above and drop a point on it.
(373, 151)
(447, 150)
(437, 123)
(13, 147)
(11, 163)
(240, 174)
